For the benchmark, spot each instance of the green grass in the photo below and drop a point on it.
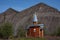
(29, 39)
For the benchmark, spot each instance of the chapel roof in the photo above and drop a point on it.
(38, 25)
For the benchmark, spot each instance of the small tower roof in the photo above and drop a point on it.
(35, 17)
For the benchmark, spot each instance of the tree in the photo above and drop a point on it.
(6, 30)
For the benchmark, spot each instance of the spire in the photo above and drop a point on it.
(35, 18)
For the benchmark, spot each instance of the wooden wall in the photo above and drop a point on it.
(32, 33)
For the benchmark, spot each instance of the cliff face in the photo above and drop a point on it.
(46, 15)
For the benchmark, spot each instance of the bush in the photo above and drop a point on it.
(21, 32)
(58, 32)
(6, 30)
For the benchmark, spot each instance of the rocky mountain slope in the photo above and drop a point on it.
(46, 15)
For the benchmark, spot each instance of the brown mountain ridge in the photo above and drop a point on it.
(47, 15)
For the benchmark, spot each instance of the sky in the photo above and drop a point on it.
(20, 5)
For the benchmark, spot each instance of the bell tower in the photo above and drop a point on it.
(35, 20)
